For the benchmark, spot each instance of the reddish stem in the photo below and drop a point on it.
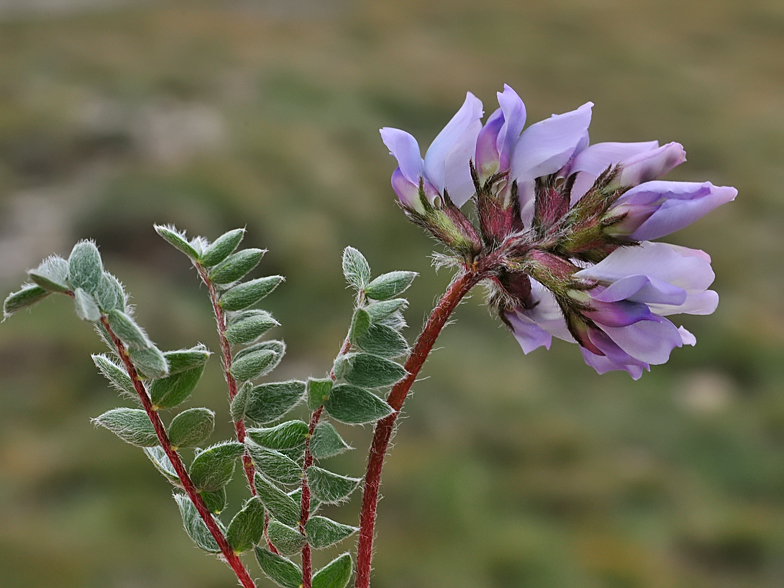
(228, 553)
(383, 432)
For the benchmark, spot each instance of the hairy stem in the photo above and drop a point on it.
(384, 428)
(231, 558)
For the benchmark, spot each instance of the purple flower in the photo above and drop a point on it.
(446, 163)
(497, 138)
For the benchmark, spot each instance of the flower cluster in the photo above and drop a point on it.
(565, 228)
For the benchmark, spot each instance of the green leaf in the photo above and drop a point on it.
(355, 268)
(129, 424)
(381, 310)
(287, 540)
(323, 532)
(173, 390)
(51, 274)
(191, 427)
(371, 371)
(249, 293)
(356, 406)
(186, 359)
(273, 464)
(389, 285)
(280, 504)
(177, 240)
(110, 294)
(326, 442)
(288, 435)
(195, 525)
(150, 362)
(318, 391)
(213, 468)
(247, 526)
(330, 487)
(280, 570)
(252, 365)
(249, 326)
(116, 375)
(360, 323)
(279, 347)
(127, 330)
(335, 574)
(162, 463)
(86, 307)
(236, 266)
(85, 267)
(214, 501)
(269, 402)
(222, 247)
(29, 295)
(382, 340)
(238, 403)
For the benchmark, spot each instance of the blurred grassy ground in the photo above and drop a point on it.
(508, 470)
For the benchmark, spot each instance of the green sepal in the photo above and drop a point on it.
(194, 525)
(335, 574)
(214, 501)
(355, 268)
(323, 532)
(127, 330)
(173, 237)
(51, 274)
(150, 362)
(85, 267)
(110, 294)
(355, 406)
(360, 323)
(162, 463)
(389, 285)
(330, 487)
(296, 495)
(280, 504)
(238, 403)
(327, 442)
(129, 424)
(371, 371)
(381, 310)
(221, 248)
(268, 402)
(273, 464)
(288, 435)
(249, 326)
(116, 375)
(236, 266)
(253, 365)
(29, 295)
(213, 468)
(287, 540)
(86, 307)
(382, 340)
(279, 347)
(173, 390)
(191, 427)
(247, 526)
(282, 571)
(186, 359)
(318, 391)
(248, 293)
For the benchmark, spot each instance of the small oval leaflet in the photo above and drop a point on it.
(29, 295)
(326, 442)
(355, 406)
(214, 501)
(389, 285)
(51, 274)
(213, 468)
(149, 362)
(129, 424)
(177, 240)
(236, 266)
(173, 390)
(383, 340)
(282, 571)
(269, 402)
(287, 540)
(86, 307)
(335, 574)
(281, 505)
(222, 247)
(273, 464)
(110, 295)
(249, 326)
(191, 427)
(253, 365)
(355, 268)
(382, 309)
(85, 267)
(186, 359)
(323, 532)
(247, 526)
(127, 330)
(249, 293)
(371, 371)
(288, 435)
(195, 526)
(330, 487)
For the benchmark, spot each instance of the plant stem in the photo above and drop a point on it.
(231, 558)
(463, 283)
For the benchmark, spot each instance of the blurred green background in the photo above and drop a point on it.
(508, 470)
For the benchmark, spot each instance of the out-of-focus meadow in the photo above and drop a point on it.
(508, 470)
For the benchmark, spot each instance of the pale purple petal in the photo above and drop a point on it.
(405, 149)
(617, 314)
(457, 168)
(687, 337)
(603, 364)
(650, 165)
(700, 303)
(589, 163)
(650, 341)
(456, 135)
(614, 353)
(406, 190)
(546, 313)
(487, 150)
(514, 121)
(530, 335)
(672, 205)
(640, 288)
